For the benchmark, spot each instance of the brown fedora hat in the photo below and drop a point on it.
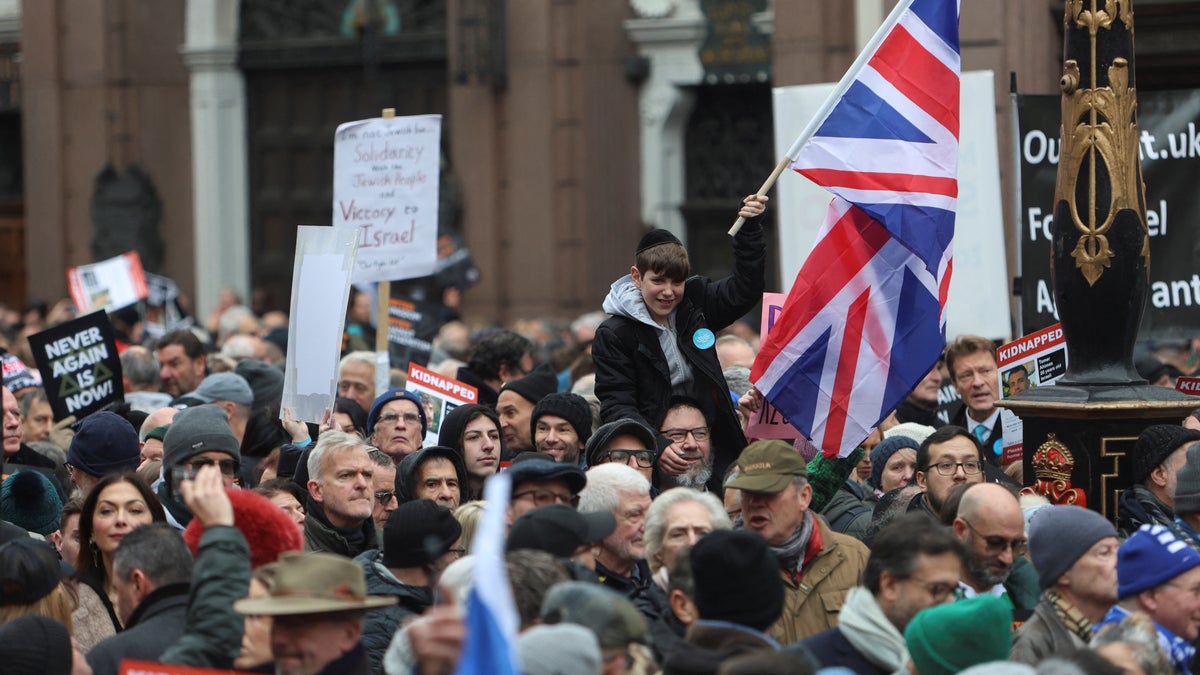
(314, 583)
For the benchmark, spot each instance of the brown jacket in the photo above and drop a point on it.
(812, 605)
(1042, 636)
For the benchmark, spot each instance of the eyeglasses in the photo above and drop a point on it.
(459, 551)
(949, 468)
(229, 467)
(393, 418)
(544, 497)
(678, 435)
(385, 496)
(644, 458)
(938, 590)
(997, 544)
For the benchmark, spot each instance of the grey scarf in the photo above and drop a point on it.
(865, 626)
(791, 551)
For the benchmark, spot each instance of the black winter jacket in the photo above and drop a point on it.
(382, 623)
(157, 623)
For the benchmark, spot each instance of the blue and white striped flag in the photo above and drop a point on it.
(492, 619)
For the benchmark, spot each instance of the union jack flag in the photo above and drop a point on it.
(866, 319)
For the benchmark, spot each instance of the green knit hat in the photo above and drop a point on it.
(945, 639)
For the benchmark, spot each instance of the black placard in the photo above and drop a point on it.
(80, 367)
(1169, 143)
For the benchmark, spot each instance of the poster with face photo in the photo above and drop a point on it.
(1036, 360)
(439, 395)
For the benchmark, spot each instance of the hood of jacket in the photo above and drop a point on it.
(406, 473)
(625, 299)
(456, 421)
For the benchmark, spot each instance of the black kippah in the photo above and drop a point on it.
(654, 238)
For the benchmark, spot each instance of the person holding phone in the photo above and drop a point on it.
(199, 436)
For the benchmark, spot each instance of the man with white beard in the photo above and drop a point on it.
(621, 556)
(690, 438)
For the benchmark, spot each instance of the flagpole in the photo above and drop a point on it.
(829, 103)
(766, 187)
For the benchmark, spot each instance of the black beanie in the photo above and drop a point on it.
(35, 645)
(756, 600)
(571, 407)
(538, 384)
(656, 238)
(418, 533)
(29, 571)
(1155, 444)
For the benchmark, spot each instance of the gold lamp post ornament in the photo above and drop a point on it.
(1101, 254)
(1080, 436)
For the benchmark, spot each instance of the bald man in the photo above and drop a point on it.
(992, 530)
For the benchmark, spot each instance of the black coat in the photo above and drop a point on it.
(632, 376)
(155, 625)
(382, 623)
(830, 648)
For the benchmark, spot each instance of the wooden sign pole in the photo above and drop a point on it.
(385, 289)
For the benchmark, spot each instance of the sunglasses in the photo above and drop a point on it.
(229, 467)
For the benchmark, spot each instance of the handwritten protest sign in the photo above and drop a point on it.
(439, 395)
(769, 422)
(1036, 360)
(80, 366)
(109, 284)
(320, 290)
(385, 183)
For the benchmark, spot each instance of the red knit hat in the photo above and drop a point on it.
(267, 529)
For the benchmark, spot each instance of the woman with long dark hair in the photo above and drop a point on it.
(118, 504)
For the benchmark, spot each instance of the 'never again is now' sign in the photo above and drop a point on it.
(80, 367)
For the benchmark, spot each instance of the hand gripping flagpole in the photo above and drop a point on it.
(766, 187)
(827, 106)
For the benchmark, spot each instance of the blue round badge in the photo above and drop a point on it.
(704, 338)
(998, 447)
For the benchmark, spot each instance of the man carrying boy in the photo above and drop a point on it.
(661, 339)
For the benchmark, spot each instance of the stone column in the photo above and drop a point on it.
(219, 176)
(668, 33)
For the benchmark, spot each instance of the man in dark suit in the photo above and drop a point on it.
(971, 361)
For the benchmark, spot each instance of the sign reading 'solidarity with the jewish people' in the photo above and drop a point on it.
(80, 367)
(1169, 143)
(385, 183)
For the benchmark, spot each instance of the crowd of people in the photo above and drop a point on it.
(196, 523)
